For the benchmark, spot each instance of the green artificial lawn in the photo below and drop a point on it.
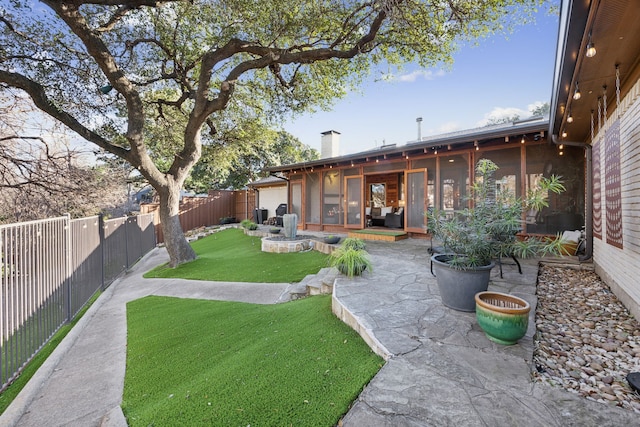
(231, 256)
(7, 396)
(217, 363)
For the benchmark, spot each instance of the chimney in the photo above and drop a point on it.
(419, 121)
(330, 144)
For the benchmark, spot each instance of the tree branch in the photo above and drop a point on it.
(40, 99)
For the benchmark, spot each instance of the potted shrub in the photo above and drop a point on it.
(351, 259)
(274, 230)
(475, 236)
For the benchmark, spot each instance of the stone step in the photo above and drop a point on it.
(314, 284)
(297, 291)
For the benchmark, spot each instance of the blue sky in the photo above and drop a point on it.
(504, 73)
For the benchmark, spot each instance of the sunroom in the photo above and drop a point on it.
(393, 186)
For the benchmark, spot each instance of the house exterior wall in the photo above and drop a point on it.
(618, 266)
(270, 197)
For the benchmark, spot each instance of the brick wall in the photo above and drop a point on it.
(619, 267)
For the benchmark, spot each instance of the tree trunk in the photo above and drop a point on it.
(180, 251)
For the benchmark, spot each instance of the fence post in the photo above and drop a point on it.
(102, 243)
(126, 242)
(67, 227)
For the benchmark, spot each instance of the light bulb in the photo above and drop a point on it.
(576, 93)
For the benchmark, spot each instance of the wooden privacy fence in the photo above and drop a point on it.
(50, 268)
(206, 211)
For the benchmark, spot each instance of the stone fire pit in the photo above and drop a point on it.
(283, 245)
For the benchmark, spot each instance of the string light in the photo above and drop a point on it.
(591, 48)
(576, 94)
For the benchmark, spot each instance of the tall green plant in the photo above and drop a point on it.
(350, 258)
(488, 229)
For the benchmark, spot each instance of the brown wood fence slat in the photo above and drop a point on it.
(198, 212)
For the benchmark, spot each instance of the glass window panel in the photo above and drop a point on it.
(385, 167)
(351, 171)
(508, 175)
(430, 164)
(354, 200)
(415, 199)
(296, 199)
(332, 212)
(312, 205)
(454, 182)
(565, 210)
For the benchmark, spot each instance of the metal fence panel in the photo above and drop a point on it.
(86, 261)
(148, 233)
(115, 248)
(33, 272)
(50, 268)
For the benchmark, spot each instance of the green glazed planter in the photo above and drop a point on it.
(503, 318)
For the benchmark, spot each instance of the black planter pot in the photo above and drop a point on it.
(332, 240)
(459, 286)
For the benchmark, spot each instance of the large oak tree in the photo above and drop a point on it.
(112, 71)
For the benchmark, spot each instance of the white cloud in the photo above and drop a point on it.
(534, 106)
(499, 113)
(415, 75)
(448, 127)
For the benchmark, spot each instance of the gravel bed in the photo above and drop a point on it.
(586, 340)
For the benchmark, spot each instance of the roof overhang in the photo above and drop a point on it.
(270, 181)
(614, 27)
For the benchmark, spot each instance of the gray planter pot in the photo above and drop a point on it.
(458, 287)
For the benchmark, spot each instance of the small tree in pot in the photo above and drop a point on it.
(486, 231)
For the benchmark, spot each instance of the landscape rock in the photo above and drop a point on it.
(598, 339)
